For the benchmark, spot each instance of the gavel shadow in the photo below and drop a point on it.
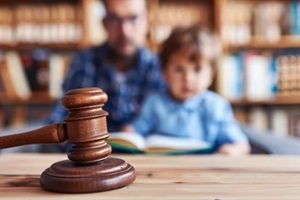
(14, 180)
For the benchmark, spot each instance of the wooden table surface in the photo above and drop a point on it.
(163, 177)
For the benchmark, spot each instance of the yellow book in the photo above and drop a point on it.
(156, 144)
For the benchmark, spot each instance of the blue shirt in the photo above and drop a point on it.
(126, 91)
(207, 117)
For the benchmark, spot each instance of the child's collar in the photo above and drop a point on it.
(191, 104)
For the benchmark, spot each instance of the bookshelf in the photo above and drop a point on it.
(37, 40)
(259, 70)
(256, 33)
(167, 14)
(261, 41)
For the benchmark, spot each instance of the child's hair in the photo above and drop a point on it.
(200, 40)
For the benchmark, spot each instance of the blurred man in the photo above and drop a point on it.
(122, 67)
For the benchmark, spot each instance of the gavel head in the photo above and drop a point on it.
(86, 125)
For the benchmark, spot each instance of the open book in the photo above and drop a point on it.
(135, 143)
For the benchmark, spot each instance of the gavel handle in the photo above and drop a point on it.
(54, 133)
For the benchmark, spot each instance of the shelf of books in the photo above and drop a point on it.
(260, 69)
(37, 40)
(258, 23)
(37, 36)
(63, 25)
(167, 14)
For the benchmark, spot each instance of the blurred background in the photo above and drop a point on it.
(259, 70)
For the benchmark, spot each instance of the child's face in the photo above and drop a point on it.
(187, 76)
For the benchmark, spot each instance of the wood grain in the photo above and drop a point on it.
(167, 177)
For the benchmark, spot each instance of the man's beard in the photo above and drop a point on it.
(115, 55)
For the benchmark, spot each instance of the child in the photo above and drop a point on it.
(188, 109)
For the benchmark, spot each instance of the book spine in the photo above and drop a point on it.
(6, 28)
(259, 77)
(40, 64)
(288, 67)
(58, 65)
(294, 18)
(16, 72)
(230, 77)
(294, 125)
(279, 121)
(259, 118)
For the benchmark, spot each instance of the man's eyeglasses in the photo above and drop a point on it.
(116, 21)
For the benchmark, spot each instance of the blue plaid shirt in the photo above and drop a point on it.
(126, 91)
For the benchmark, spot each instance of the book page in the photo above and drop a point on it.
(130, 140)
(166, 143)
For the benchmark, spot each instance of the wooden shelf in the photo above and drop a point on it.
(292, 100)
(210, 14)
(36, 1)
(262, 43)
(28, 47)
(37, 98)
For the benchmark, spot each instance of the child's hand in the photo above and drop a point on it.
(227, 149)
(234, 149)
(127, 129)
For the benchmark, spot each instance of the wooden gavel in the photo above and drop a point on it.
(88, 169)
